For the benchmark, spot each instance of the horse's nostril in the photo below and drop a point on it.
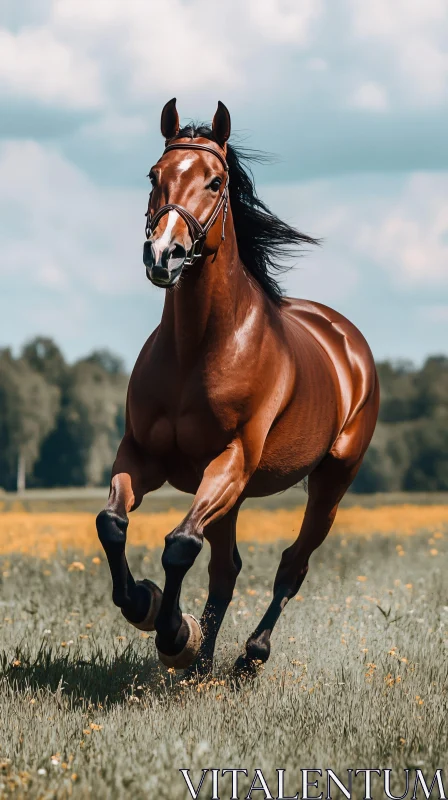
(177, 253)
(148, 254)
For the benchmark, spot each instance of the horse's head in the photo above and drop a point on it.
(189, 195)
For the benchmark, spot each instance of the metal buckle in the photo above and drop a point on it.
(193, 254)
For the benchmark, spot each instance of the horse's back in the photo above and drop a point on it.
(346, 349)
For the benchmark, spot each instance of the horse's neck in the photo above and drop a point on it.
(210, 301)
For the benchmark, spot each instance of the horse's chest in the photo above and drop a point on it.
(192, 428)
(190, 419)
(190, 435)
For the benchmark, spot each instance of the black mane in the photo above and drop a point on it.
(263, 239)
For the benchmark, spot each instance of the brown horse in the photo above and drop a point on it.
(238, 393)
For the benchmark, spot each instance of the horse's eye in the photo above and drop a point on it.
(153, 178)
(215, 184)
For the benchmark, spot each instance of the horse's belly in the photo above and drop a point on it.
(297, 442)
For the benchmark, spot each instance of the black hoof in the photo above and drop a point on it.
(244, 670)
(181, 659)
(170, 642)
(143, 606)
(258, 649)
(202, 668)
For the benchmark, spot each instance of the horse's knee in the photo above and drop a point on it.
(182, 546)
(111, 528)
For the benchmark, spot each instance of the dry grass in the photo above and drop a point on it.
(43, 534)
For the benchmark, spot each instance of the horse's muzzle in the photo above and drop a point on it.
(163, 269)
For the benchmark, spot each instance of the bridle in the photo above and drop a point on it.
(198, 232)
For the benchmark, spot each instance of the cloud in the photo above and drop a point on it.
(61, 231)
(332, 86)
(370, 96)
(384, 252)
(35, 64)
(71, 265)
(409, 239)
(144, 50)
(336, 88)
(435, 313)
(390, 280)
(410, 40)
(71, 256)
(285, 20)
(120, 131)
(316, 64)
(375, 55)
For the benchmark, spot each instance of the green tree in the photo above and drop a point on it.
(399, 393)
(428, 468)
(432, 387)
(28, 408)
(102, 393)
(81, 448)
(44, 357)
(109, 362)
(65, 452)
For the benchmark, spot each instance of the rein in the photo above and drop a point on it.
(197, 231)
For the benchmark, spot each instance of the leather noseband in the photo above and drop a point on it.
(197, 231)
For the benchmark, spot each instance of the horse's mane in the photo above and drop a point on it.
(263, 239)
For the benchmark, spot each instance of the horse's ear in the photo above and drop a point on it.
(169, 121)
(221, 124)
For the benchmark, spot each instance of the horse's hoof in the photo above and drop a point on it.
(147, 624)
(189, 653)
(200, 668)
(245, 670)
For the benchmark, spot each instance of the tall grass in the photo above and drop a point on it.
(357, 677)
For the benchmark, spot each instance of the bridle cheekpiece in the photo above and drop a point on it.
(197, 231)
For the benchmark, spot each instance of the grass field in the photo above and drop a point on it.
(357, 678)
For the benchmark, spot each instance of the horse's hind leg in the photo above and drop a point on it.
(326, 486)
(223, 569)
(132, 476)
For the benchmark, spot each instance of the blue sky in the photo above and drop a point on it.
(351, 96)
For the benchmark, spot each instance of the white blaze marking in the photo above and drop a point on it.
(164, 240)
(184, 164)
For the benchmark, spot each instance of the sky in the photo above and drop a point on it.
(351, 96)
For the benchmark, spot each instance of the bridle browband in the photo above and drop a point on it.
(198, 232)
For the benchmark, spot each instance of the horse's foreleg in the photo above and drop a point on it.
(179, 636)
(132, 477)
(326, 486)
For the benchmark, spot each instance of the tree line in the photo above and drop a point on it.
(60, 423)
(409, 449)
